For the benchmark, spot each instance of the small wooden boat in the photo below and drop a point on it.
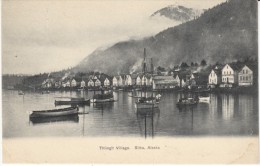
(102, 98)
(187, 102)
(66, 118)
(55, 112)
(73, 101)
(204, 99)
(45, 92)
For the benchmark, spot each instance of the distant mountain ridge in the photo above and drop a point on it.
(178, 13)
(224, 33)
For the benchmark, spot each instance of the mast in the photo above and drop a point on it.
(152, 66)
(144, 61)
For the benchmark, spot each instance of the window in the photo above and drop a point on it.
(246, 71)
(241, 77)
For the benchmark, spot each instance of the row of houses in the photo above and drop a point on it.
(70, 82)
(227, 76)
(231, 75)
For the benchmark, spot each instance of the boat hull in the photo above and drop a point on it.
(102, 100)
(69, 118)
(85, 102)
(54, 113)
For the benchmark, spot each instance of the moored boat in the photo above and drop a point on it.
(68, 118)
(187, 102)
(101, 98)
(55, 112)
(73, 101)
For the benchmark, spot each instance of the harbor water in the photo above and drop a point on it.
(224, 115)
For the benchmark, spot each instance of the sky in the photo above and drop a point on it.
(50, 35)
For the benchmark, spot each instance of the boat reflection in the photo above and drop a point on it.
(105, 105)
(147, 120)
(42, 120)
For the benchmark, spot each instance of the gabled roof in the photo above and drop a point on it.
(217, 71)
(235, 67)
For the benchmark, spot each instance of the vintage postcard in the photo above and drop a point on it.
(143, 81)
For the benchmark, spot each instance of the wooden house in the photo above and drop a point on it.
(91, 83)
(73, 83)
(214, 78)
(138, 80)
(245, 76)
(106, 82)
(229, 75)
(128, 80)
(118, 81)
(97, 82)
(82, 84)
(164, 82)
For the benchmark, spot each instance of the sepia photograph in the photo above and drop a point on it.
(126, 81)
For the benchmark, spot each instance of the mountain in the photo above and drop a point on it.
(178, 13)
(224, 33)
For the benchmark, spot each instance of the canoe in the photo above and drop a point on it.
(73, 101)
(55, 112)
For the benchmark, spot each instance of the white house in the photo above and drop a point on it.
(128, 80)
(245, 76)
(229, 75)
(114, 81)
(97, 82)
(214, 78)
(73, 83)
(138, 81)
(144, 80)
(106, 82)
(82, 84)
(91, 83)
(117, 81)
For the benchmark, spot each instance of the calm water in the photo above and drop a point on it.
(225, 115)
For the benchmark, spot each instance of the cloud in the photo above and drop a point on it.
(52, 35)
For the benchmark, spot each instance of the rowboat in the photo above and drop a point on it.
(73, 101)
(55, 112)
(204, 99)
(68, 118)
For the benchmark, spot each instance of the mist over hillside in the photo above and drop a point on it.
(224, 33)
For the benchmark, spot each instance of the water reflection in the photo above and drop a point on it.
(226, 114)
(147, 121)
